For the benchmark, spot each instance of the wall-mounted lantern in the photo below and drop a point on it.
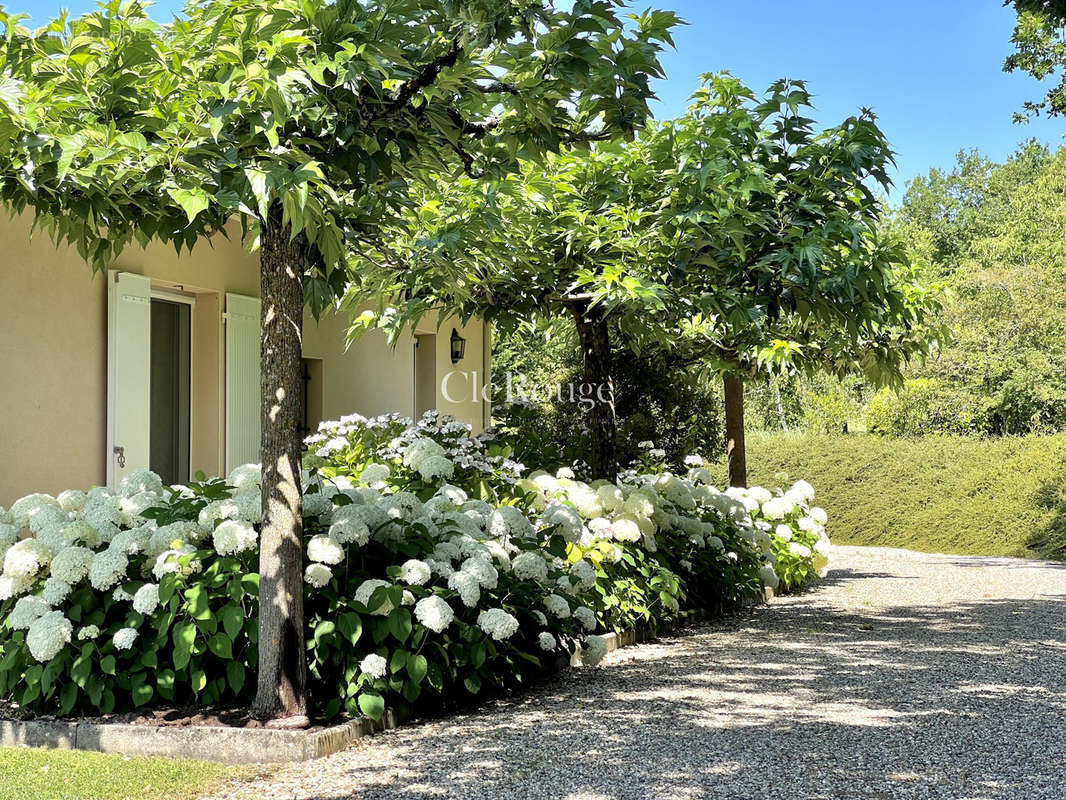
(458, 346)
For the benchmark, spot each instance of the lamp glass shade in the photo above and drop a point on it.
(458, 344)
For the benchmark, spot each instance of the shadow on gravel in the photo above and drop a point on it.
(798, 700)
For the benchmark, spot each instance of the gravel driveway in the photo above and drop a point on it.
(900, 675)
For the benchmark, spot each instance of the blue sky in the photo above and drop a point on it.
(930, 69)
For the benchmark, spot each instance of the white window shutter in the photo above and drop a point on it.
(242, 380)
(129, 338)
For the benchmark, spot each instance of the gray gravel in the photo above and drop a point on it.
(901, 675)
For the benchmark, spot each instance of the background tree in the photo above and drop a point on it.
(784, 268)
(573, 237)
(1040, 50)
(304, 121)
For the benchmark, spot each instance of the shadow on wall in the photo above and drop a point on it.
(796, 700)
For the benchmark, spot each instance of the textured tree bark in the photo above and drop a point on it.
(596, 355)
(282, 689)
(734, 431)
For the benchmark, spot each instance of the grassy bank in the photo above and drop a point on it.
(32, 774)
(939, 494)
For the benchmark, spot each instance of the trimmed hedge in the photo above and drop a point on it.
(963, 495)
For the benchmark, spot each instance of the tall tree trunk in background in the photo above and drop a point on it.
(596, 355)
(780, 407)
(734, 431)
(282, 687)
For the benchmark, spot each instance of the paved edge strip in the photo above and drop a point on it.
(242, 745)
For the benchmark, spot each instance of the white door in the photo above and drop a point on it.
(129, 332)
(242, 380)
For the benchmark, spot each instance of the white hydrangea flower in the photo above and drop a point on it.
(783, 531)
(366, 590)
(107, 569)
(585, 574)
(798, 549)
(497, 623)
(132, 541)
(324, 549)
(453, 494)
(124, 638)
(569, 522)
(169, 561)
(434, 612)
(48, 635)
(769, 576)
(72, 500)
(140, 481)
(375, 475)
(88, 632)
(546, 641)
(509, 522)
(25, 508)
(146, 599)
(9, 534)
(232, 537)
(55, 591)
(374, 665)
(818, 515)
(81, 532)
(586, 616)
(487, 575)
(611, 497)
(467, 585)
(557, 606)
(245, 478)
(777, 508)
(436, 467)
(530, 566)
(415, 572)
(803, 490)
(349, 524)
(25, 558)
(807, 524)
(318, 575)
(421, 450)
(14, 585)
(48, 516)
(402, 506)
(26, 611)
(442, 568)
(317, 505)
(593, 651)
(626, 529)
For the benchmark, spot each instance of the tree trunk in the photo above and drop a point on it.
(596, 356)
(780, 406)
(734, 431)
(282, 689)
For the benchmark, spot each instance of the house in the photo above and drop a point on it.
(156, 364)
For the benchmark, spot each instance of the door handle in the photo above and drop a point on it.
(120, 453)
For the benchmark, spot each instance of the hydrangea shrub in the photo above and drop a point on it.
(436, 570)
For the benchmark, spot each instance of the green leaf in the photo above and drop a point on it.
(400, 624)
(67, 697)
(372, 704)
(417, 667)
(192, 201)
(232, 620)
(164, 682)
(221, 646)
(142, 691)
(107, 665)
(196, 602)
(235, 676)
(350, 625)
(472, 683)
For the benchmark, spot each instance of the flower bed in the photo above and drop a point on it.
(435, 571)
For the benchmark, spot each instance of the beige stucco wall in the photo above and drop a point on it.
(53, 356)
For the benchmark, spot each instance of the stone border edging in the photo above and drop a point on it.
(242, 745)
